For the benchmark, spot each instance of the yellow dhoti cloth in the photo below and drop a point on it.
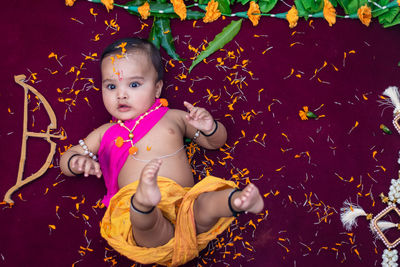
(177, 206)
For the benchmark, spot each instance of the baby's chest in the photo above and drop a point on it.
(162, 134)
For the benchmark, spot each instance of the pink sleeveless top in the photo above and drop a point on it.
(112, 158)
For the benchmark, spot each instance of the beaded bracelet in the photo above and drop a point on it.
(213, 132)
(87, 151)
(196, 135)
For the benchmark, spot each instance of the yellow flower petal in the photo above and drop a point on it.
(364, 14)
(254, 9)
(212, 12)
(329, 12)
(144, 10)
(292, 17)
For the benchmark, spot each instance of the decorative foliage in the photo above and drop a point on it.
(388, 13)
(219, 41)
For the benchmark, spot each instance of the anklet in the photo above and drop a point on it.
(87, 151)
(234, 212)
(69, 167)
(213, 132)
(133, 208)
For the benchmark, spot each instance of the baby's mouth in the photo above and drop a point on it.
(123, 107)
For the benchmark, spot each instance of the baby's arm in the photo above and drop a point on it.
(74, 161)
(201, 126)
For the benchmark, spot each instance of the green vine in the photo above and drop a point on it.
(387, 12)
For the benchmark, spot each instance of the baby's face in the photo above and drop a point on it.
(129, 84)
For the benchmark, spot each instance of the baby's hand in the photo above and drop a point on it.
(199, 118)
(86, 165)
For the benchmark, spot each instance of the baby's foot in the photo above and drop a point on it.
(148, 194)
(248, 200)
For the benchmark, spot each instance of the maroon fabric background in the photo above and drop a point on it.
(291, 234)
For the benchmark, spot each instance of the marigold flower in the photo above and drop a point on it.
(329, 12)
(109, 4)
(133, 150)
(254, 9)
(292, 17)
(212, 12)
(144, 10)
(303, 113)
(119, 142)
(179, 8)
(398, 2)
(164, 102)
(71, 2)
(364, 13)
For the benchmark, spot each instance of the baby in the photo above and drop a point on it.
(155, 212)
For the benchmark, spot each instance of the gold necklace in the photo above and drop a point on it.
(119, 142)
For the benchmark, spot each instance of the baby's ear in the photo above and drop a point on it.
(159, 86)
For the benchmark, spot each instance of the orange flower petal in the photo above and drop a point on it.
(109, 4)
(144, 10)
(71, 2)
(164, 102)
(119, 141)
(364, 14)
(329, 12)
(179, 8)
(133, 150)
(254, 9)
(212, 12)
(292, 17)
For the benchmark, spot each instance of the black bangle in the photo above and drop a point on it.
(69, 167)
(137, 210)
(213, 132)
(234, 212)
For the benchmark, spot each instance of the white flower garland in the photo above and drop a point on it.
(389, 258)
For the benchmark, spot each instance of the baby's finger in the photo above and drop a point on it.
(79, 163)
(195, 113)
(97, 170)
(88, 167)
(188, 105)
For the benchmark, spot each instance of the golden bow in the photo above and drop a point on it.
(19, 79)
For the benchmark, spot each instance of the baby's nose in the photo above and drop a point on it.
(121, 94)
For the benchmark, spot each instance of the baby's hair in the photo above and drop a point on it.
(137, 44)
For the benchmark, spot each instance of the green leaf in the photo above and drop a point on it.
(219, 41)
(376, 11)
(351, 6)
(334, 3)
(194, 14)
(224, 6)
(300, 8)
(153, 36)
(313, 6)
(267, 5)
(394, 22)
(389, 16)
(135, 3)
(164, 34)
(243, 2)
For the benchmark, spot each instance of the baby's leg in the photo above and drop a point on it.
(211, 206)
(150, 229)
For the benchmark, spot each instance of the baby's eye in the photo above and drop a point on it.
(134, 84)
(111, 86)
